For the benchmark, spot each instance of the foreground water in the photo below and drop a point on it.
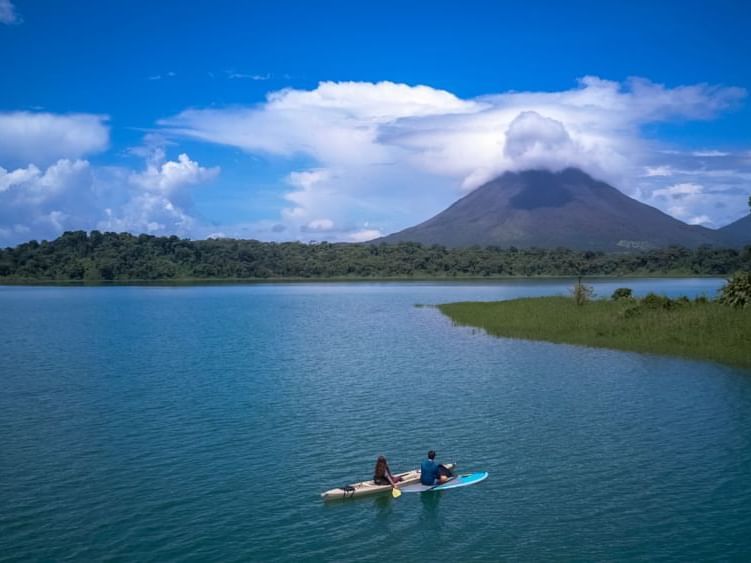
(201, 423)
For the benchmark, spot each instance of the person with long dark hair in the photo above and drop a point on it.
(382, 474)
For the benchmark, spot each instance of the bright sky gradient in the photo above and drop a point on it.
(342, 121)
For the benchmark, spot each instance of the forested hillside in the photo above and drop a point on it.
(79, 256)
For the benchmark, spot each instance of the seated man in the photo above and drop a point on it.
(432, 473)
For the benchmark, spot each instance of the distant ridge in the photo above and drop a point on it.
(538, 208)
(737, 233)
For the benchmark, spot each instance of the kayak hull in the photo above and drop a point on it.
(366, 488)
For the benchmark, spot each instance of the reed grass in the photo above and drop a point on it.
(703, 331)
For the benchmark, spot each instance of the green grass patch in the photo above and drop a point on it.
(702, 331)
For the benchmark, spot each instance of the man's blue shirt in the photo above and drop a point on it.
(428, 472)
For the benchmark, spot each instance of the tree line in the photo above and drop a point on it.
(122, 257)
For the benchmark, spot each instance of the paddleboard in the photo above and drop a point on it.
(460, 481)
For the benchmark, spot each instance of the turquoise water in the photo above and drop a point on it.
(202, 423)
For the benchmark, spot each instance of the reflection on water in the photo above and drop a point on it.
(384, 508)
(430, 516)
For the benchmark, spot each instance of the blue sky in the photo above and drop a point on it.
(346, 120)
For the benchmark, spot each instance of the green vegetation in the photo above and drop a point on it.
(699, 329)
(98, 257)
(582, 292)
(737, 292)
(622, 293)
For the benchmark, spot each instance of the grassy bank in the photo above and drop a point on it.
(702, 331)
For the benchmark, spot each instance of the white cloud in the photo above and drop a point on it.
(692, 202)
(8, 14)
(534, 141)
(31, 186)
(651, 171)
(319, 226)
(169, 74)
(699, 220)
(678, 191)
(148, 213)
(44, 138)
(245, 76)
(72, 194)
(336, 122)
(710, 153)
(306, 195)
(377, 157)
(364, 235)
(394, 154)
(44, 203)
(167, 177)
(159, 200)
(17, 177)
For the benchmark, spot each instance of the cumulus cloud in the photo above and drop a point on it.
(394, 154)
(73, 194)
(44, 138)
(534, 141)
(680, 200)
(699, 197)
(167, 177)
(159, 200)
(8, 14)
(378, 157)
(44, 202)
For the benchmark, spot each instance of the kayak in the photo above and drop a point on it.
(365, 488)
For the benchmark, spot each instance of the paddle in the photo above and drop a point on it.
(396, 493)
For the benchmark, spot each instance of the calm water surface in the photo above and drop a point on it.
(201, 423)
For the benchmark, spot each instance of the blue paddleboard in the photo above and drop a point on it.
(460, 481)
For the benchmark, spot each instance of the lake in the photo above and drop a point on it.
(202, 423)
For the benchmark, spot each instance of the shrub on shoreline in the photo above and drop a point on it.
(737, 292)
(622, 294)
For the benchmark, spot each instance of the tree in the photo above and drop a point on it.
(622, 293)
(582, 292)
(737, 292)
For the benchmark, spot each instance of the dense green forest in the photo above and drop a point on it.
(95, 256)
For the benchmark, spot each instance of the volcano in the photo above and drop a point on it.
(737, 233)
(538, 208)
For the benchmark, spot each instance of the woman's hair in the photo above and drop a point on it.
(380, 468)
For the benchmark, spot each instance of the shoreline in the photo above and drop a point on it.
(705, 331)
(296, 280)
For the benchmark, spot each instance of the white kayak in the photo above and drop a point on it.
(370, 488)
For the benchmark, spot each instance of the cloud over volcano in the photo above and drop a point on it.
(375, 144)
